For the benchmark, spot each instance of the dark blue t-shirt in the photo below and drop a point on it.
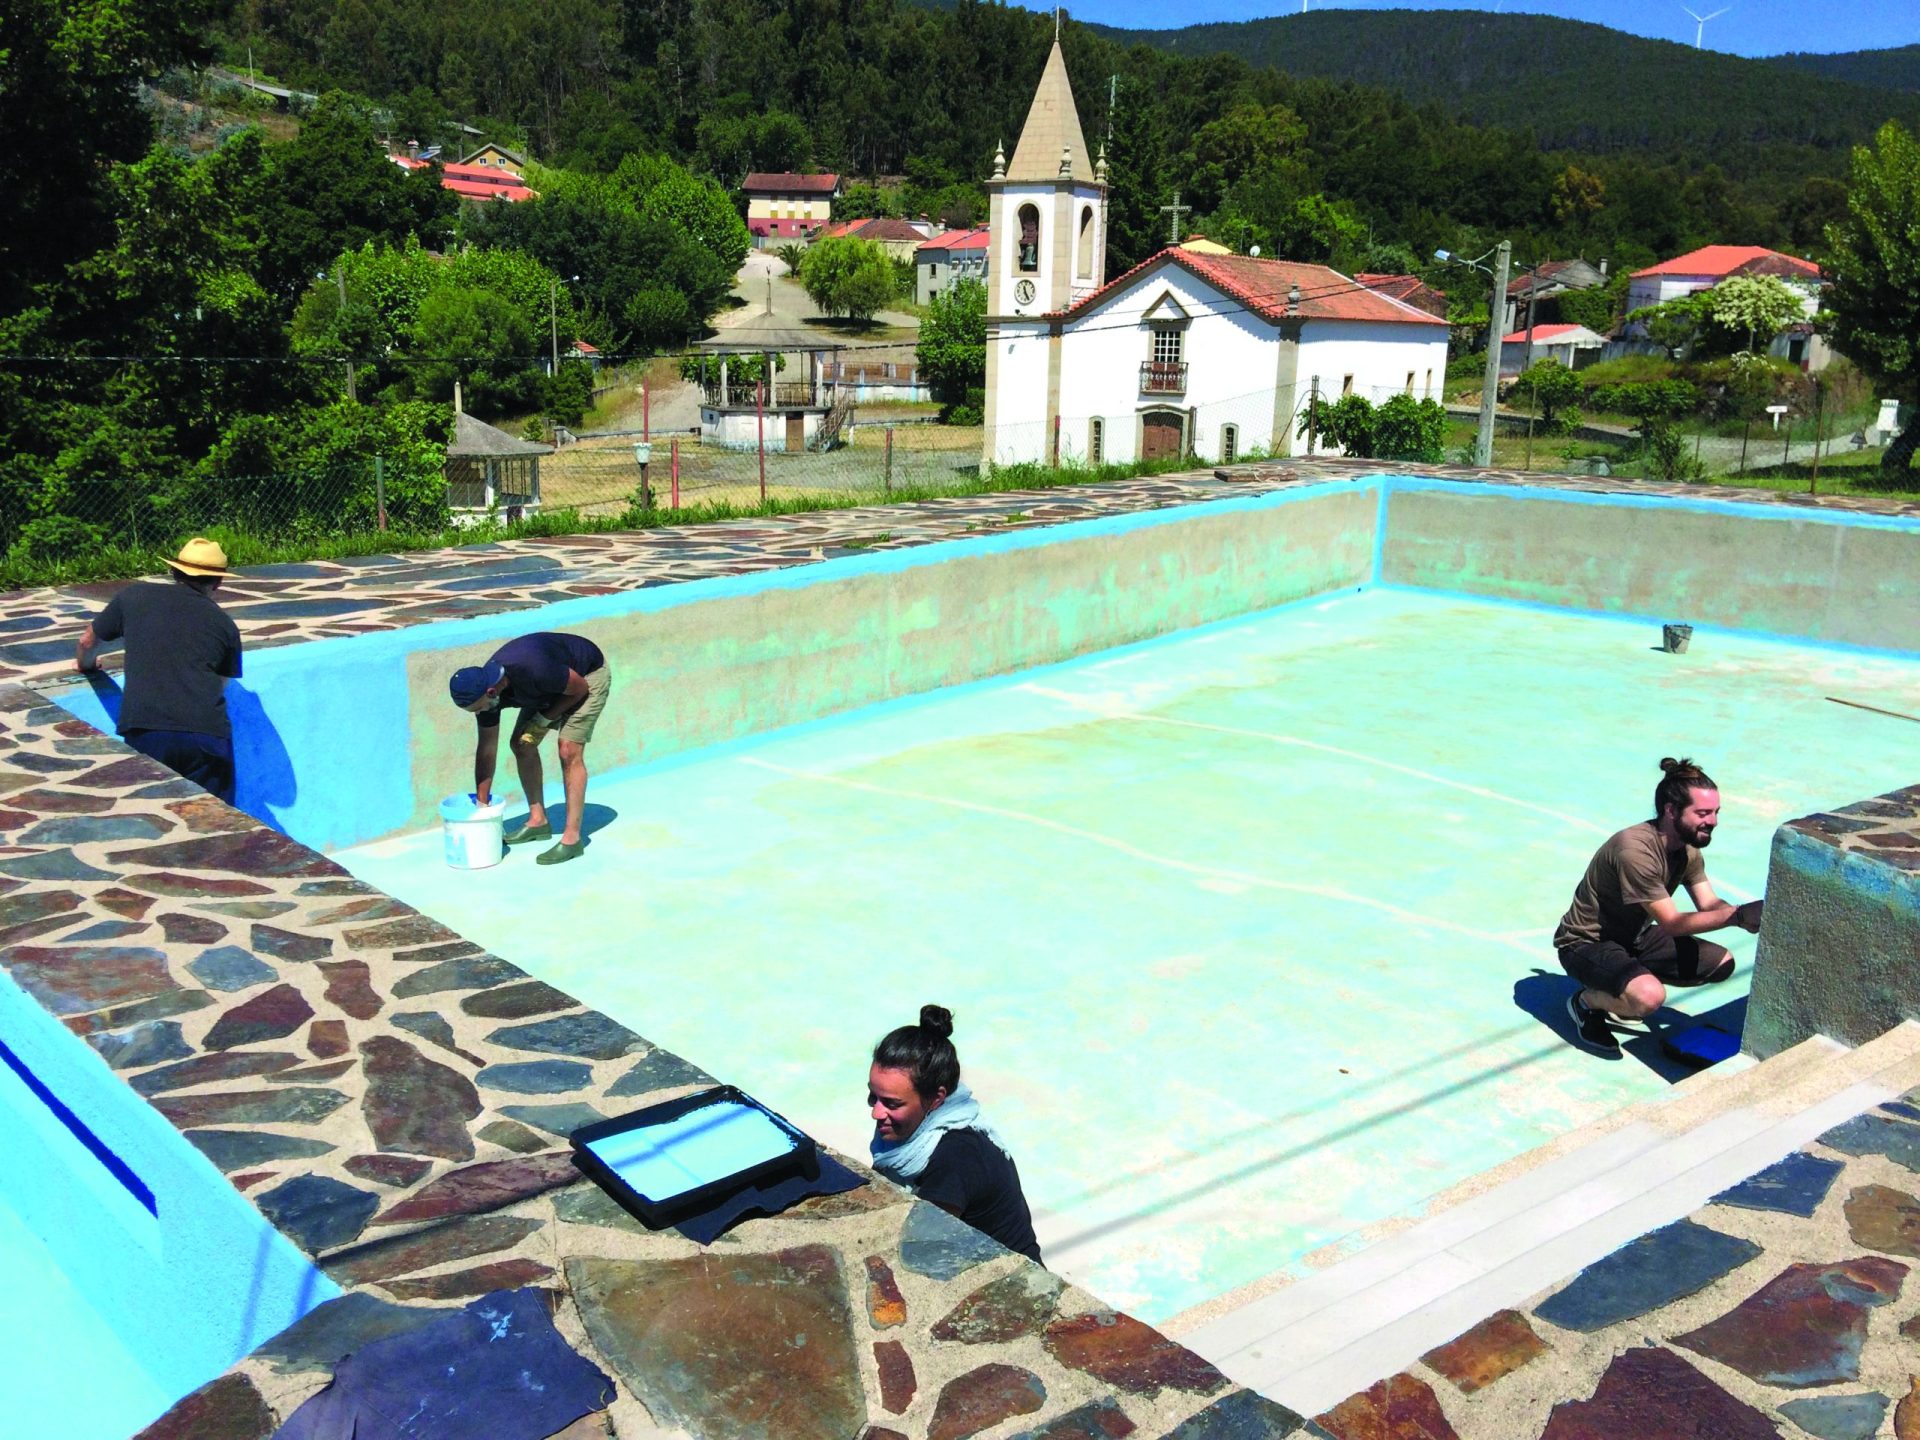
(537, 667)
(973, 1178)
(182, 648)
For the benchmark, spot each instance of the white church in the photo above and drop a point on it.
(1196, 351)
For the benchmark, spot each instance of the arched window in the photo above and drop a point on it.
(1229, 444)
(1085, 267)
(1096, 442)
(1029, 260)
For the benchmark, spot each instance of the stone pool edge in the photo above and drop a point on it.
(269, 1005)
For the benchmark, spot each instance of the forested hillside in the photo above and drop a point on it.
(186, 301)
(1897, 69)
(1580, 86)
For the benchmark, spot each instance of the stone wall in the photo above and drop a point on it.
(1840, 944)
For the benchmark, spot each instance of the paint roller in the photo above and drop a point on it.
(1874, 709)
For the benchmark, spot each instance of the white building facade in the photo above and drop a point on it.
(1188, 354)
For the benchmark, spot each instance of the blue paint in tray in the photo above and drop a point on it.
(702, 1147)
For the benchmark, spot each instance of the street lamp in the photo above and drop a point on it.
(553, 317)
(340, 274)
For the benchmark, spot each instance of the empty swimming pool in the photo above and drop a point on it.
(1246, 930)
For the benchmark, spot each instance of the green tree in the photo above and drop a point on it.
(1673, 325)
(952, 350)
(1555, 391)
(848, 276)
(1347, 422)
(1873, 265)
(1408, 429)
(1760, 306)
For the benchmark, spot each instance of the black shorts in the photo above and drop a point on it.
(1609, 966)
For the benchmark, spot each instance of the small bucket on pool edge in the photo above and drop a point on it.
(1674, 638)
(476, 835)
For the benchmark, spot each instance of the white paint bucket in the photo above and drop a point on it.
(476, 835)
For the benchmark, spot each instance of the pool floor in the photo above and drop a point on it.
(1246, 931)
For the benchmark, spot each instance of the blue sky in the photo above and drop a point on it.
(1750, 27)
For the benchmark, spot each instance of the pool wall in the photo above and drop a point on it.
(177, 1263)
(1799, 574)
(1842, 931)
(704, 662)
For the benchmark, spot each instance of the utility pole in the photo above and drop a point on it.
(340, 274)
(553, 325)
(1490, 386)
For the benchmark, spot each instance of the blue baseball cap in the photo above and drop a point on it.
(470, 684)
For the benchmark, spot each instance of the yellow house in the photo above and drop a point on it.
(788, 205)
(496, 157)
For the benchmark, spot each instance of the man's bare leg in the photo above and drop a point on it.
(1641, 998)
(533, 782)
(573, 773)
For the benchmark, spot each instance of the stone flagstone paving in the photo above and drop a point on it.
(397, 1102)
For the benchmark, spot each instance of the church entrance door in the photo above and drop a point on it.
(1162, 434)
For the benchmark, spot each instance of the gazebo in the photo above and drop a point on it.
(791, 415)
(488, 469)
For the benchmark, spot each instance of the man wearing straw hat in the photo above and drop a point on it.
(181, 650)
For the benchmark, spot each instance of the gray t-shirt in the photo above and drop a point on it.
(1628, 873)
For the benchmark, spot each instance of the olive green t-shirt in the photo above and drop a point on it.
(1632, 870)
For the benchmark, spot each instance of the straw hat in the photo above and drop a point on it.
(200, 556)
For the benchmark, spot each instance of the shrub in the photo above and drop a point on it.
(1408, 429)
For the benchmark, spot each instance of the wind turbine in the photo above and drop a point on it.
(1700, 22)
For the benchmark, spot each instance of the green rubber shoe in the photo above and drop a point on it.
(560, 854)
(522, 833)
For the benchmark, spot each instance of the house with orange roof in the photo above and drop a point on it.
(1708, 266)
(942, 259)
(1190, 353)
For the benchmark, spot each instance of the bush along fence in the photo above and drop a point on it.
(425, 495)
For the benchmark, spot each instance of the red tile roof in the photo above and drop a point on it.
(885, 227)
(959, 240)
(1263, 286)
(475, 182)
(1544, 334)
(1410, 288)
(1723, 260)
(786, 183)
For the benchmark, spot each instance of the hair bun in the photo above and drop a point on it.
(936, 1019)
(1671, 766)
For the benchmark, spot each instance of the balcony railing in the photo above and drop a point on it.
(1162, 377)
(784, 395)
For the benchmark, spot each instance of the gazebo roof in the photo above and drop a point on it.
(765, 334)
(476, 440)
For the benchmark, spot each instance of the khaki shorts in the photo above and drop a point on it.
(579, 723)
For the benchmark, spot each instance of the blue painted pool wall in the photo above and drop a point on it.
(189, 1287)
(344, 740)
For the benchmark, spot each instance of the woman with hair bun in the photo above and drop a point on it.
(928, 1133)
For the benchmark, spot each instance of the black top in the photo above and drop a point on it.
(973, 1178)
(181, 651)
(536, 667)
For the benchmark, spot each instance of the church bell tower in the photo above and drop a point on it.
(1047, 250)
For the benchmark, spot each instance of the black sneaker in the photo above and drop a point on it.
(1590, 1029)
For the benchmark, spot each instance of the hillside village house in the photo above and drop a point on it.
(1706, 267)
(785, 206)
(949, 256)
(1409, 288)
(498, 158)
(473, 182)
(1547, 281)
(899, 238)
(1187, 353)
(1574, 346)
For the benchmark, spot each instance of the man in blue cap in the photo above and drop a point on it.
(559, 682)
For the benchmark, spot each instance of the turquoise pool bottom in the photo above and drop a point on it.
(1247, 930)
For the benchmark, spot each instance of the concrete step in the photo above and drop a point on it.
(1313, 1342)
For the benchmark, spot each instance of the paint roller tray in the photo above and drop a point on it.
(676, 1159)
